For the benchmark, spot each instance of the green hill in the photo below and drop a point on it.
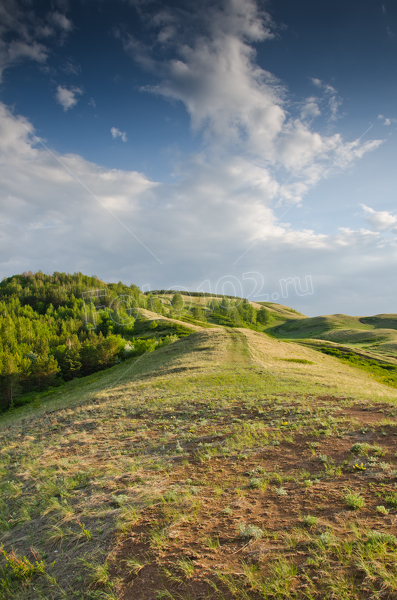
(377, 334)
(280, 311)
(166, 474)
(60, 327)
(223, 464)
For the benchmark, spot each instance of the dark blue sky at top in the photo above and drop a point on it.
(350, 45)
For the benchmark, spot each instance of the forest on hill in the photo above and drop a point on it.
(55, 328)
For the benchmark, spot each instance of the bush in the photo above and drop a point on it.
(310, 521)
(354, 500)
(250, 531)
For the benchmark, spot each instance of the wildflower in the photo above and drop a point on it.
(359, 467)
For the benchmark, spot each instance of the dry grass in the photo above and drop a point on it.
(137, 483)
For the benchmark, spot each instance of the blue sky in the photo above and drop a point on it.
(229, 142)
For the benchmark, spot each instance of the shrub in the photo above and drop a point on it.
(310, 521)
(392, 500)
(250, 531)
(254, 483)
(382, 510)
(379, 537)
(354, 500)
(366, 449)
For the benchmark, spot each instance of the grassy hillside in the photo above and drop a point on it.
(60, 327)
(377, 335)
(227, 464)
(280, 311)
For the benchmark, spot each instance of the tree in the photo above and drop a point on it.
(198, 313)
(108, 349)
(213, 305)
(264, 316)
(177, 302)
(10, 386)
(224, 306)
(233, 314)
(44, 371)
(88, 357)
(247, 312)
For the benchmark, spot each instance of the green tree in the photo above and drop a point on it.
(198, 313)
(10, 385)
(177, 302)
(108, 349)
(213, 304)
(44, 371)
(88, 357)
(264, 316)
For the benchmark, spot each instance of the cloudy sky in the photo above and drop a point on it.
(204, 145)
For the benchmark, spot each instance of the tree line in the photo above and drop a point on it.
(55, 328)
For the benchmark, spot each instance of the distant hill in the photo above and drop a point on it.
(282, 312)
(376, 334)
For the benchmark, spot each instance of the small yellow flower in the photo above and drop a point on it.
(359, 467)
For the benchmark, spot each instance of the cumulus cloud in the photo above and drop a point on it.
(387, 120)
(310, 109)
(117, 133)
(67, 97)
(257, 155)
(25, 36)
(239, 107)
(380, 220)
(124, 224)
(89, 199)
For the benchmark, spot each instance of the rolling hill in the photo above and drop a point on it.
(218, 466)
(226, 463)
(377, 334)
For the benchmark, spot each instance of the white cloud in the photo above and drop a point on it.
(78, 223)
(61, 21)
(67, 97)
(331, 96)
(34, 51)
(387, 120)
(200, 224)
(257, 155)
(381, 220)
(117, 133)
(23, 33)
(71, 68)
(240, 108)
(310, 109)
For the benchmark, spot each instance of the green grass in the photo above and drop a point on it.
(354, 501)
(385, 373)
(302, 361)
(165, 455)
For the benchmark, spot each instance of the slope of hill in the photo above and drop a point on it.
(316, 326)
(376, 334)
(280, 311)
(227, 464)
